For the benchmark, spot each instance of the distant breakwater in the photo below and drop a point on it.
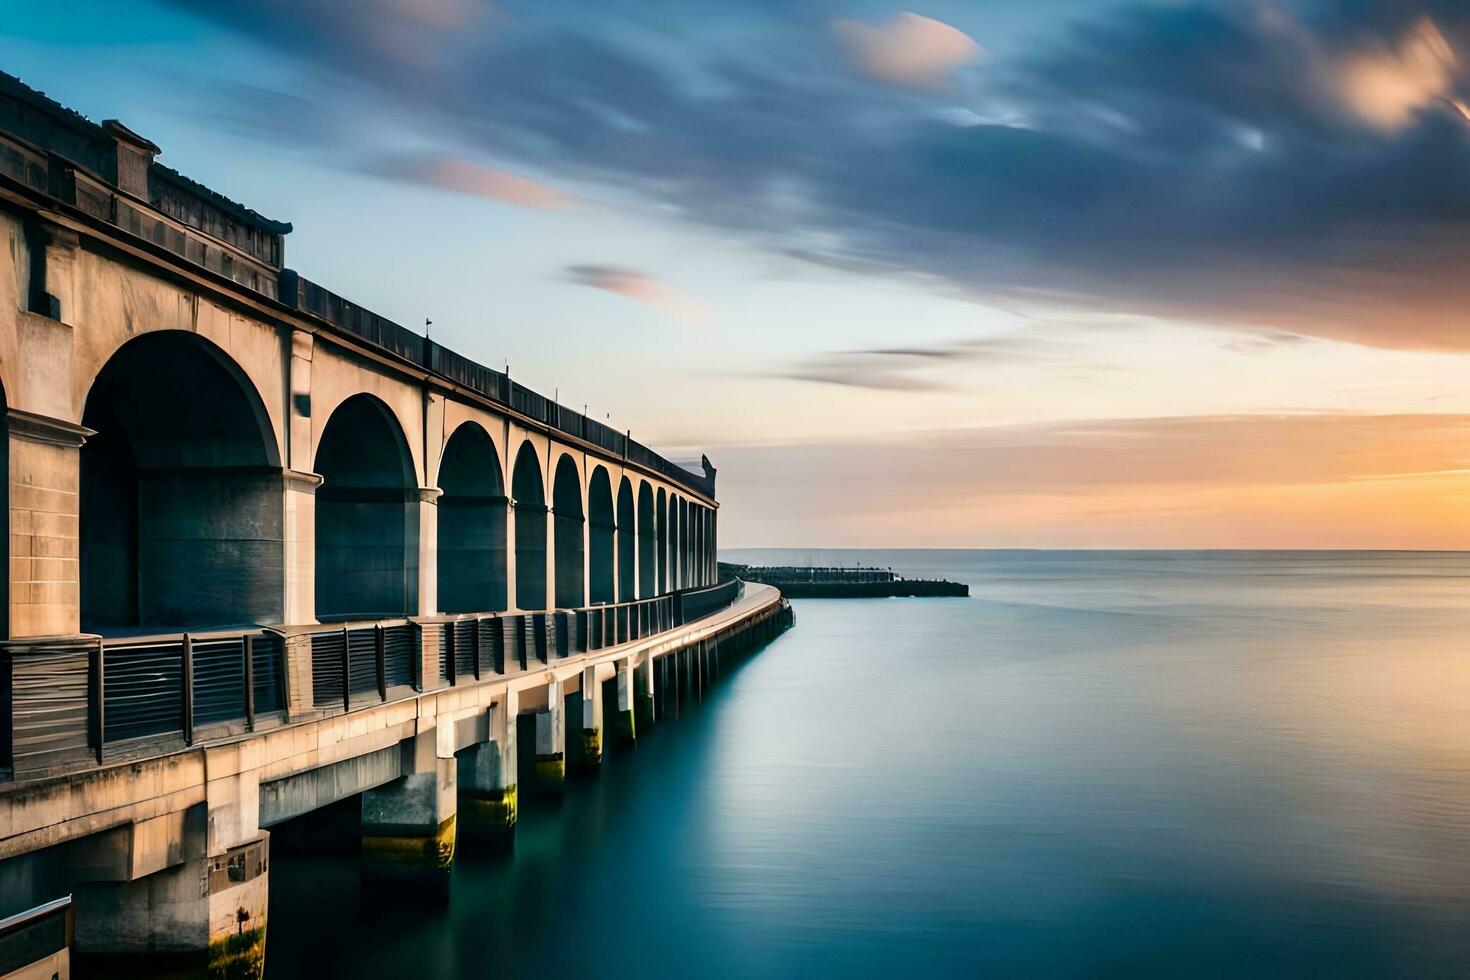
(797, 582)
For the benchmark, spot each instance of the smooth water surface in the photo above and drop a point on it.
(1100, 765)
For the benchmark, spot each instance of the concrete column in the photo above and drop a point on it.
(591, 748)
(187, 890)
(428, 571)
(626, 723)
(408, 826)
(487, 775)
(551, 763)
(644, 705)
(299, 602)
(551, 553)
(510, 555)
(299, 548)
(45, 574)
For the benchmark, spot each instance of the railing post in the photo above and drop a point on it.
(447, 653)
(247, 648)
(346, 671)
(475, 645)
(380, 654)
(188, 652)
(99, 698)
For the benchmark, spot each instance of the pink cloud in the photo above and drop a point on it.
(465, 177)
(908, 50)
(637, 286)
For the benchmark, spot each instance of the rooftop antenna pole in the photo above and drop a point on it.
(427, 324)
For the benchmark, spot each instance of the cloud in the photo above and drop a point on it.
(908, 50)
(465, 177)
(912, 368)
(637, 286)
(1297, 167)
(1389, 84)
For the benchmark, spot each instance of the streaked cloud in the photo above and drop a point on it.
(637, 286)
(466, 177)
(910, 49)
(1299, 167)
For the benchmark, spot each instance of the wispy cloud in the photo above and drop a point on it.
(912, 368)
(637, 286)
(462, 176)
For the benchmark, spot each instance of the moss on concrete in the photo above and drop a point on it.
(238, 956)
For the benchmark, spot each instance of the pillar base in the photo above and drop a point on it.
(591, 748)
(626, 724)
(551, 773)
(206, 915)
(489, 813)
(412, 849)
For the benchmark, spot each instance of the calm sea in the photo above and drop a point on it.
(1100, 765)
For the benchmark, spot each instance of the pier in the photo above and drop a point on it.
(269, 551)
(832, 582)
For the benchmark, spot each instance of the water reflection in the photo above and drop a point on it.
(1101, 764)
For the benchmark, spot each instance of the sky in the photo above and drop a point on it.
(1053, 273)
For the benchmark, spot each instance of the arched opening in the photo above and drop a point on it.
(627, 543)
(647, 543)
(472, 560)
(566, 506)
(676, 579)
(696, 543)
(686, 579)
(661, 534)
(367, 521)
(181, 521)
(529, 492)
(600, 535)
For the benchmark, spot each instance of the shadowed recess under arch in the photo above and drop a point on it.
(566, 506)
(627, 543)
(647, 542)
(601, 533)
(662, 534)
(367, 523)
(180, 516)
(529, 492)
(472, 540)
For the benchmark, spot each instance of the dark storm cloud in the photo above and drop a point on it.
(1305, 167)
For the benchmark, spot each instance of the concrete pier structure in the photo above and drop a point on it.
(409, 825)
(270, 552)
(487, 776)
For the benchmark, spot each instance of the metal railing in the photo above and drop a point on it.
(69, 702)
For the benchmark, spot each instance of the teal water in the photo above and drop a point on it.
(1100, 765)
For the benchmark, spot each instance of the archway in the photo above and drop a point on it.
(367, 521)
(180, 518)
(529, 492)
(697, 542)
(472, 559)
(676, 580)
(686, 579)
(661, 544)
(600, 534)
(627, 543)
(647, 543)
(566, 506)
